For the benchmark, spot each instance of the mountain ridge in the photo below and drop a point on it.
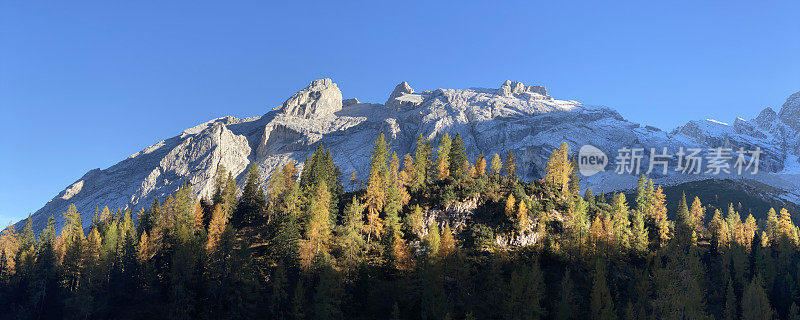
(513, 117)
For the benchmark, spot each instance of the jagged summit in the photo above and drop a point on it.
(514, 117)
(515, 88)
(319, 99)
(790, 111)
(403, 97)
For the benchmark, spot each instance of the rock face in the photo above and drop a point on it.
(790, 112)
(403, 98)
(321, 98)
(514, 117)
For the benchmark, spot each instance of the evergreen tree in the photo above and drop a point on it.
(224, 190)
(639, 235)
(601, 305)
(327, 296)
(526, 293)
(683, 222)
(251, 208)
(575, 178)
(350, 236)
(432, 241)
(729, 311)
(588, 196)
(566, 303)
(511, 166)
(755, 303)
(457, 157)
(318, 168)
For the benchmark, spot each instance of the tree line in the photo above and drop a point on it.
(434, 236)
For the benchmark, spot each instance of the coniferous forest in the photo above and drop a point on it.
(434, 235)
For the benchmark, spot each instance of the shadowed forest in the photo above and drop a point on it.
(434, 235)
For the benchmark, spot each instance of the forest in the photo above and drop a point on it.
(434, 235)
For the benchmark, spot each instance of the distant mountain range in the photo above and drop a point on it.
(514, 117)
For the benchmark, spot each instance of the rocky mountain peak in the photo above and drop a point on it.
(403, 97)
(790, 111)
(320, 98)
(518, 89)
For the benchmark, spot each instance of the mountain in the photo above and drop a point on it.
(514, 117)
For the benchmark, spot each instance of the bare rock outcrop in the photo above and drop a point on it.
(321, 98)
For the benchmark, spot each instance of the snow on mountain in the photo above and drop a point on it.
(513, 117)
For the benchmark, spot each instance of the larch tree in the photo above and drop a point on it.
(376, 188)
(698, 214)
(510, 203)
(9, 246)
(521, 217)
(559, 168)
(720, 236)
(735, 225)
(443, 157)
(422, 154)
(659, 217)
(496, 165)
(413, 221)
(750, 229)
(318, 228)
(219, 220)
(480, 166)
(771, 226)
(432, 240)
(786, 227)
(448, 243)
(621, 221)
(73, 237)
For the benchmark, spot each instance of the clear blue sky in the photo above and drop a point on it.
(83, 85)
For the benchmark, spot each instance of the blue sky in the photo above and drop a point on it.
(83, 85)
